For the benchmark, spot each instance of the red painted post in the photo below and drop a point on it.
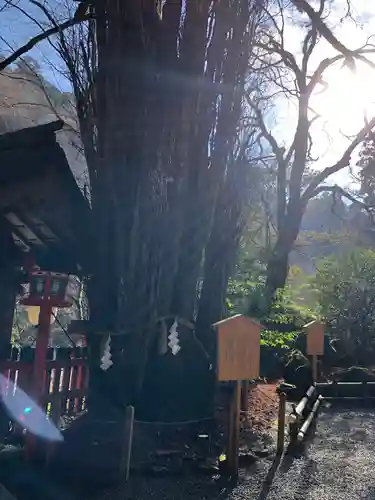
(54, 292)
(39, 369)
(78, 401)
(41, 352)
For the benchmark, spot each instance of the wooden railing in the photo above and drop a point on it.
(303, 415)
(65, 379)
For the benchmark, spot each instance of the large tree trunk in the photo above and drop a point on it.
(220, 257)
(124, 85)
(159, 96)
(278, 264)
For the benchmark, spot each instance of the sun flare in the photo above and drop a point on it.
(348, 98)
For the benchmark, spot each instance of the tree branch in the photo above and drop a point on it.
(277, 151)
(318, 23)
(342, 163)
(39, 38)
(318, 73)
(273, 47)
(340, 192)
(310, 41)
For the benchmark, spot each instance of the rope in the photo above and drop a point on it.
(142, 422)
(64, 330)
(185, 422)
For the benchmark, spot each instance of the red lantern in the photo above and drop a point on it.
(54, 289)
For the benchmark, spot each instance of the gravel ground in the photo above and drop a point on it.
(337, 463)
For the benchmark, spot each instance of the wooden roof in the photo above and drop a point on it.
(40, 200)
(238, 318)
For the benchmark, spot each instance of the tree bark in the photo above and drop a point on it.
(220, 257)
(278, 264)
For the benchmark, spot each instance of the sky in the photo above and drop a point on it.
(341, 107)
(348, 97)
(17, 29)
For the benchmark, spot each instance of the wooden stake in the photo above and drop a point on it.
(315, 367)
(245, 396)
(127, 444)
(230, 433)
(281, 424)
(234, 431)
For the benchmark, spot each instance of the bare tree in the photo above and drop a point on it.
(298, 81)
(78, 17)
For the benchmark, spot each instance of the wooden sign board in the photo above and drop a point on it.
(238, 340)
(315, 338)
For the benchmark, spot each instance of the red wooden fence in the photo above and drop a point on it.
(65, 379)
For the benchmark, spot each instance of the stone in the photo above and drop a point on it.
(262, 453)
(246, 459)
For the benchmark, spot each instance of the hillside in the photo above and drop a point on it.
(26, 99)
(328, 226)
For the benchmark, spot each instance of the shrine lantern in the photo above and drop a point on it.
(59, 290)
(46, 290)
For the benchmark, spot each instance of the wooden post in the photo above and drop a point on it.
(315, 367)
(238, 352)
(311, 394)
(230, 433)
(293, 426)
(245, 396)
(281, 424)
(40, 363)
(234, 431)
(315, 344)
(306, 425)
(127, 444)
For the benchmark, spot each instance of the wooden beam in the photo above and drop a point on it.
(22, 230)
(37, 226)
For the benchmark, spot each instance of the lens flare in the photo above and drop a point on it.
(26, 412)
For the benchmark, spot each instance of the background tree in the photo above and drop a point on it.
(367, 170)
(345, 286)
(297, 82)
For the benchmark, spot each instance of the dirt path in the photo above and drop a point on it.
(338, 464)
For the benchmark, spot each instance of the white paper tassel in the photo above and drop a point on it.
(173, 339)
(106, 360)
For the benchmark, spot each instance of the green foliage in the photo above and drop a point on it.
(283, 321)
(325, 214)
(367, 169)
(345, 290)
(342, 276)
(20, 323)
(246, 293)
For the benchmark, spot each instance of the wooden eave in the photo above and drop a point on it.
(41, 202)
